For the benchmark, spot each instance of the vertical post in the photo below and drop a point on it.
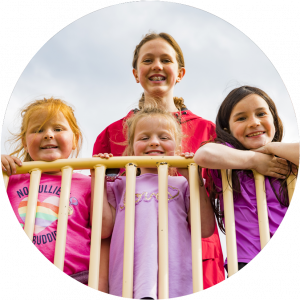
(195, 228)
(127, 291)
(291, 184)
(5, 179)
(232, 259)
(62, 222)
(163, 247)
(94, 265)
(35, 177)
(262, 211)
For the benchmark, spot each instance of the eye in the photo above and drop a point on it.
(144, 138)
(166, 60)
(147, 60)
(261, 114)
(39, 130)
(58, 129)
(241, 119)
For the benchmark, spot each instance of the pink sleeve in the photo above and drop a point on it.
(111, 198)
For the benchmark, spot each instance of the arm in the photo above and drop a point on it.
(108, 214)
(206, 210)
(8, 164)
(289, 151)
(217, 156)
(104, 266)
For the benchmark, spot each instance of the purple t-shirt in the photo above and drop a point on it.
(245, 212)
(146, 238)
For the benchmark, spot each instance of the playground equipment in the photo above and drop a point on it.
(130, 163)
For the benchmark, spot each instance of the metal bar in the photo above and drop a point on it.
(94, 266)
(113, 162)
(163, 247)
(232, 259)
(62, 222)
(5, 179)
(291, 185)
(35, 177)
(262, 210)
(127, 291)
(195, 228)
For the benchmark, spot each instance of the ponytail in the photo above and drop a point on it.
(178, 101)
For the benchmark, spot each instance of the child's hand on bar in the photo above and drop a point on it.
(103, 155)
(9, 163)
(184, 171)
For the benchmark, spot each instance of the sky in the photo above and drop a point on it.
(88, 63)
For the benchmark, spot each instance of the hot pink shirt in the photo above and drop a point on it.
(79, 230)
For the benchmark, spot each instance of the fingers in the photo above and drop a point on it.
(103, 155)
(9, 163)
(187, 154)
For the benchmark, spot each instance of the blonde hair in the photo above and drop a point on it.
(52, 107)
(147, 112)
(178, 101)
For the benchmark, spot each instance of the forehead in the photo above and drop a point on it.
(250, 103)
(157, 47)
(154, 123)
(40, 116)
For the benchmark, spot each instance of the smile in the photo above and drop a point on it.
(49, 147)
(155, 152)
(157, 78)
(255, 133)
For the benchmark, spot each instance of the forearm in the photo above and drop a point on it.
(104, 266)
(289, 151)
(107, 216)
(217, 156)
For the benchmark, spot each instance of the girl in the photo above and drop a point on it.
(158, 64)
(248, 120)
(153, 131)
(49, 131)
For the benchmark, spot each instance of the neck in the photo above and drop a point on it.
(166, 102)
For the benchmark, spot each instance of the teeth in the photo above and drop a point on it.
(254, 134)
(157, 78)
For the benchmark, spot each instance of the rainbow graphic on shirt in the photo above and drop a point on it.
(46, 212)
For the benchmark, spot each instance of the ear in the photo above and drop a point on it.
(135, 74)
(181, 73)
(24, 144)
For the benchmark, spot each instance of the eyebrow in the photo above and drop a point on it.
(242, 112)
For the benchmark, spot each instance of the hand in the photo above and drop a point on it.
(9, 164)
(184, 171)
(101, 155)
(270, 165)
(264, 149)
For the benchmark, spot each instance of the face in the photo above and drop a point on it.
(157, 68)
(251, 122)
(55, 140)
(153, 138)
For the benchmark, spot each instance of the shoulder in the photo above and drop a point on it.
(179, 181)
(18, 179)
(188, 116)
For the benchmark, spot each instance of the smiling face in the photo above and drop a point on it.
(54, 140)
(153, 137)
(157, 69)
(251, 122)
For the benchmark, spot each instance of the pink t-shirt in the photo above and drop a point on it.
(146, 237)
(79, 230)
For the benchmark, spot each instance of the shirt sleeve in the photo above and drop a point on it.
(102, 143)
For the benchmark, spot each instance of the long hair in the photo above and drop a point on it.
(52, 107)
(178, 101)
(224, 136)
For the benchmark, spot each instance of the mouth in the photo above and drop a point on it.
(155, 152)
(157, 78)
(49, 147)
(255, 133)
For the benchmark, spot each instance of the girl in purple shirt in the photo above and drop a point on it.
(248, 120)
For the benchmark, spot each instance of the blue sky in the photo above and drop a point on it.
(88, 64)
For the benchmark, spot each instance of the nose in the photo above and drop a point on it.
(157, 65)
(154, 141)
(254, 122)
(48, 134)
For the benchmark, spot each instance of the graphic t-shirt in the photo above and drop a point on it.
(79, 230)
(146, 237)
